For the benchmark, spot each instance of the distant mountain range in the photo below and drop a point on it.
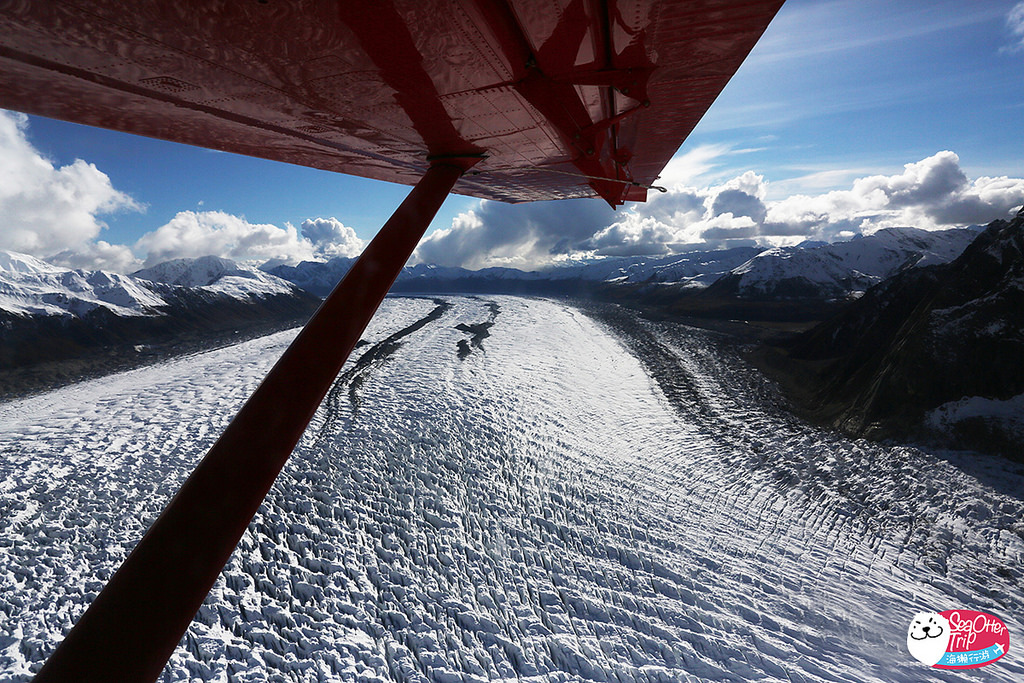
(816, 271)
(843, 269)
(58, 324)
(30, 286)
(51, 315)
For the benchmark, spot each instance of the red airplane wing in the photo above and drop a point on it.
(571, 98)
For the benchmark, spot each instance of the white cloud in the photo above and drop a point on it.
(194, 234)
(201, 233)
(813, 180)
(98, 255)
(685, 169)
(644, 236)
(330, 238)
(48, 209)
(191, 234)
(932, 193)
(51, 212)
(515, 235)
(1015, 22)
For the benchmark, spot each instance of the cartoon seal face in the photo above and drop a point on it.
(928, 637)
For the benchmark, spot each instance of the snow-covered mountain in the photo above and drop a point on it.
(316, 277)
(697, 269)
(29, 286)
(58, 324)
(32, 287)
(936, 347)
(215, 274)
(842, 269)
(813, 270)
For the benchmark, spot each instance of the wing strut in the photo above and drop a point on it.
(134, 624)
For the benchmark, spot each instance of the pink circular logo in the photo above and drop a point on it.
(957, 639)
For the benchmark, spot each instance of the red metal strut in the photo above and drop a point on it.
(134, 624)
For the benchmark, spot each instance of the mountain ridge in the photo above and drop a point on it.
(810, 271)
(59, 325)
(70, 319)
(920, 353)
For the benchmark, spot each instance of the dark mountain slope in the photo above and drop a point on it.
(925, 339)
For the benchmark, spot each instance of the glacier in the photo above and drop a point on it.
(579, 495)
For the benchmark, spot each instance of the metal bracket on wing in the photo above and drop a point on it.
(557, 99)
(544, 72)
(630, 82)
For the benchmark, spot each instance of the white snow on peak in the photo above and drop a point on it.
(978, 406)
(832, 270)
(216, 274)
(13, 262)
(698, 268)
(845, 268)
(1008, 414)
(29, 286)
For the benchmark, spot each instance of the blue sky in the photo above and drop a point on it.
(811, 139)
(866, 86)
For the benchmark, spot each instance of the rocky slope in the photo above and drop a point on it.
(934, 352)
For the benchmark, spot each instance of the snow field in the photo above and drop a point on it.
(84, 470)
(564, 504)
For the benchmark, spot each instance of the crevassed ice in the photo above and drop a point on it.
(581, 499)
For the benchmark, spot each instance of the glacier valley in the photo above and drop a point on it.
(513, 489)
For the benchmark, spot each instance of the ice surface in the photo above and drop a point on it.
(578, 499)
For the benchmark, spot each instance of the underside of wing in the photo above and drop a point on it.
(571, 98)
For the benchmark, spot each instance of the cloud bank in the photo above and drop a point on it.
(331, 238)
(49, 210)
(933, 193)
(192, 234)
(515, 235)
(53, 212)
